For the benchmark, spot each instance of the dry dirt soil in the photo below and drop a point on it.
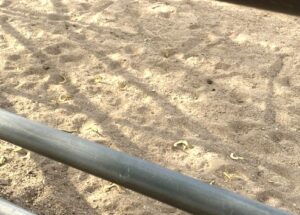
(140, 75)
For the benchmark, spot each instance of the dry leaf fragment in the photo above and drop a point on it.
(181, 144)
(94, 129)
(122, 85)
(20, 150)
(97, 79)
(111, 186)
(233, 157)
(64, 79)
(230, 176)
(64, 98)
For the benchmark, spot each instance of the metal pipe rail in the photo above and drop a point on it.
(141, 176)
(8, 208)
(291, 7)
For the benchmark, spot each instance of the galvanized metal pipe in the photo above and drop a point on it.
(282, 6)
(8, 208)
(141, 176)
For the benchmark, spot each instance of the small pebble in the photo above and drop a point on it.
(4, 182)
(46, 67)
(2, 160)
(209, 81)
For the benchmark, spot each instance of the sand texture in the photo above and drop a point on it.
(139, 76)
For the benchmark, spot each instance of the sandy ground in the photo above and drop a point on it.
(138, 76)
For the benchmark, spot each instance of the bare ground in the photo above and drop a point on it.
(138, 76)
